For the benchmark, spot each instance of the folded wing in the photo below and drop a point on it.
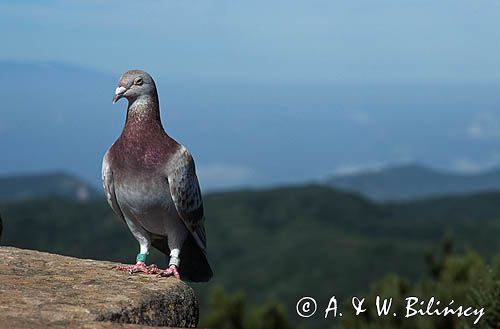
(186, 194)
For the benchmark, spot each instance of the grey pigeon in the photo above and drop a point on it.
(150, 182)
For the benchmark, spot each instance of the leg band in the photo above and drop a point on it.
(174, 261)
(141, 258)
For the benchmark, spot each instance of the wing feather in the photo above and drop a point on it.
(109, 187)
(186, 194)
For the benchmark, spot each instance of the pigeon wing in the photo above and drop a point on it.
(109, 187)
(186, 194)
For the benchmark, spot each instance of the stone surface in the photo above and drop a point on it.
(42, 290)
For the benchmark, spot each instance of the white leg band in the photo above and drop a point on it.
(174, 257)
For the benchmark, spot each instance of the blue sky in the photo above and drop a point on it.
(261, 92)
(391, 40)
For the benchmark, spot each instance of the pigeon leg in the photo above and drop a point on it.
(173, 265)
(136, 268)
(144, 242)
(171, 271)
(139, 266)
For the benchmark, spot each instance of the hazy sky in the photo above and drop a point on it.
(457, 40)
(314, 85)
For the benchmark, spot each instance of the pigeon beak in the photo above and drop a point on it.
(119, 94)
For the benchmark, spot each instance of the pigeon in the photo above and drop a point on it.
(150, 182)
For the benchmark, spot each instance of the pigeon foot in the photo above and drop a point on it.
(171, 271)
(136, 268)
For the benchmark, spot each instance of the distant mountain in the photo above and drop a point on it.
(59, 184)
(413, 181)
(245, 133)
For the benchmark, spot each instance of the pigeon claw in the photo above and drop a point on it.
(171, 271)
(139, 267)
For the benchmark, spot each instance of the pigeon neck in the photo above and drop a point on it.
(143, 112)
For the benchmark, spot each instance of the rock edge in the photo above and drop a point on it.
(39, 289)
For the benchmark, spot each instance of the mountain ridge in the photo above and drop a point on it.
(59, 115)
(18, 187)
(415, 181)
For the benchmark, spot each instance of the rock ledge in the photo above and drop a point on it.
(42, 290)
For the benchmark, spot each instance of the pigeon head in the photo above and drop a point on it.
(134, 85)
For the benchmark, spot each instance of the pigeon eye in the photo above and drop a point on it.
(138, 82)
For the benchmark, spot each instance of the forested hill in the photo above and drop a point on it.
(277, 243)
